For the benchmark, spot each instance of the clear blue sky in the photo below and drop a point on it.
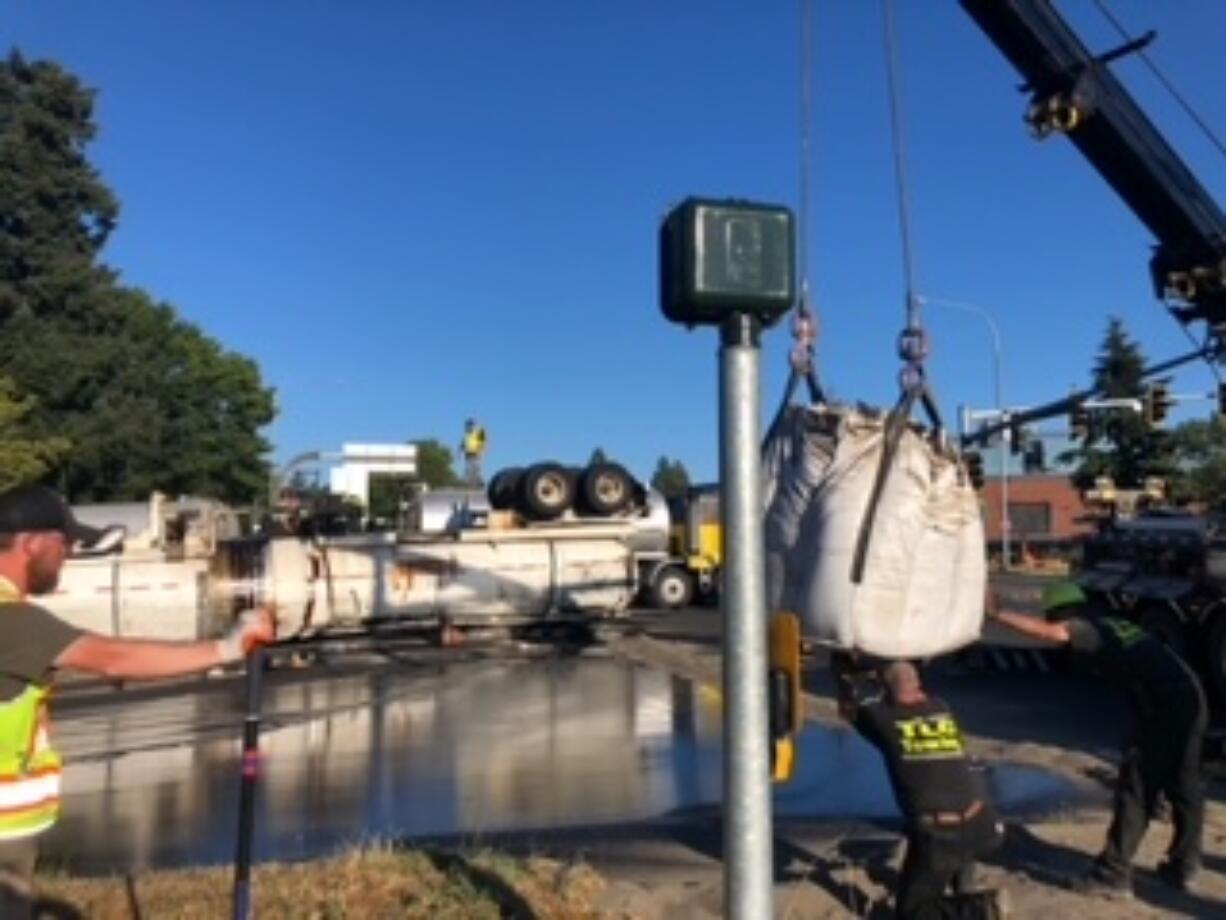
(411, 212)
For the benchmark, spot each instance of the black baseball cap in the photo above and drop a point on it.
(37, 509)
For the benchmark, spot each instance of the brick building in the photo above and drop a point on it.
(1044, 509)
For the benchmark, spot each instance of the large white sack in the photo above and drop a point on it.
(922, 584)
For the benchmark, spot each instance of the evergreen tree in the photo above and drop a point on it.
(146, 400)
(671, 479)
(1120, 444)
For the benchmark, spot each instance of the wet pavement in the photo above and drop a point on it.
(415, 750)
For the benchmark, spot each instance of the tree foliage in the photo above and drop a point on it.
(145, 399)
(671, 479)
(23, 460)
(388, 494)
(1200, 449)
(436, 464)
(1120, 444)
(598, 456)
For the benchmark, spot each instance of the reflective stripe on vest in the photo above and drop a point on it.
(30, 769)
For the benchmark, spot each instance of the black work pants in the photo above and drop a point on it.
(1165, 759)
(938, 856)
(17, 858)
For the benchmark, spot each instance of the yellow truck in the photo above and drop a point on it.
(691, 566)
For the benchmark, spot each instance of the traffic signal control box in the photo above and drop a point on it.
(784, 694)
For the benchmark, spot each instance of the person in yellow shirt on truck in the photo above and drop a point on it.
(37, 534)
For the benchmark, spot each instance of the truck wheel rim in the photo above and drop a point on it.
(551, 490)
(609, 490)
(672, 590)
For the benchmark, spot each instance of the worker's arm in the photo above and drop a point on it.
(137, 659)
(1032, 626)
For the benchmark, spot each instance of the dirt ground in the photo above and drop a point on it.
(849, 869)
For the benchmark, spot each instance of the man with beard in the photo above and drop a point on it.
(37, 534)
(950, 821)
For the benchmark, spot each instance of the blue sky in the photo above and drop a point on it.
(410, 213)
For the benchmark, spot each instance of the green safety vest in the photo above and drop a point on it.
(30, 769)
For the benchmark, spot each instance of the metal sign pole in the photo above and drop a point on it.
(748, 862)
(251, 776)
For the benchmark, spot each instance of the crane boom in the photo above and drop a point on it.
(1075, 93)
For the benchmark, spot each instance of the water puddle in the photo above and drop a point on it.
(464, 749)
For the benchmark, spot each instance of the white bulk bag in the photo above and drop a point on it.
(921, 583)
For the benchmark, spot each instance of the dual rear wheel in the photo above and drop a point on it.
(545, 491)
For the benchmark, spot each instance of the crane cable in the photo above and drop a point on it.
(801, 359)
(804, 322)
(1166, 82)
(913, 340)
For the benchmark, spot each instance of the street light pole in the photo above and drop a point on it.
(1006, 434)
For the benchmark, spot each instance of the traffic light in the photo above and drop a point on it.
(1156, 403)
(1017, 439)
(1035, 458)
(1079, 422)
(973, 461)
(1221, 399)
(784, 694)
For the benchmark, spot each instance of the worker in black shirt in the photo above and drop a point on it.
(950, 823)
(1169, 715)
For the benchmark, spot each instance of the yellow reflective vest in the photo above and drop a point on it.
(30, 769)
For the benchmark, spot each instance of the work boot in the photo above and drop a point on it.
(1176, 876)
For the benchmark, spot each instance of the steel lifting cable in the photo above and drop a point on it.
(802, 360)
(804, 324)
(913, 340)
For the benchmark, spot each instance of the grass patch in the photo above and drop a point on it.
(382, 882)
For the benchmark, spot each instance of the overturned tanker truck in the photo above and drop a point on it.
(551, 543)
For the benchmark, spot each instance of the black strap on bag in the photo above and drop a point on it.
(913, 348)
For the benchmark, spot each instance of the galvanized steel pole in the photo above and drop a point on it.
(1006, 549)
(748, 862)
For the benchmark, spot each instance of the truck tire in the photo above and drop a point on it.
(671, 588)
(546, 490)
(605, 489)
(504, 487)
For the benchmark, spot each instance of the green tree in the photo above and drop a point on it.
(388, 492)
(436, 464)
(55, 212)
(23, 460)
(146, 400)
(1200, 460)
(598, 456)
(671, 479)
(1120, 444)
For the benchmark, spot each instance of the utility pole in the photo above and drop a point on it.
(1002, 414)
